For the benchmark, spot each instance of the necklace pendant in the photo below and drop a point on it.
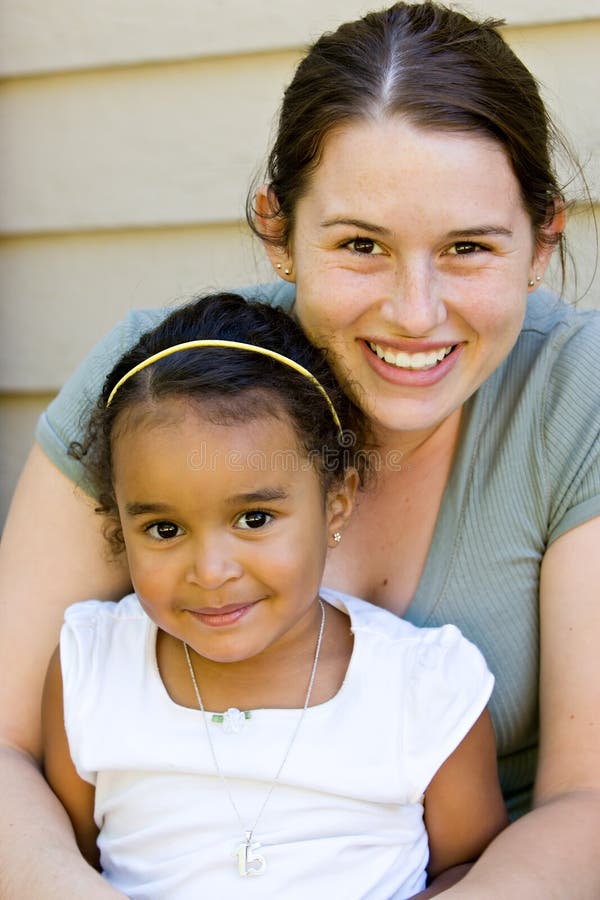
(250, 862)
(234, 720)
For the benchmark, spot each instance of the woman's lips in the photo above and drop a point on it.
(217, 617)
(417, 369)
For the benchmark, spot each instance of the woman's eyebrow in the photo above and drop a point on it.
(475, 231)
(356, 223)
(480, 231)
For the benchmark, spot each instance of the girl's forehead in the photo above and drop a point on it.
(181, 433)
(174, 459)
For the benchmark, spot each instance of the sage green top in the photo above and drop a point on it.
(526, 470)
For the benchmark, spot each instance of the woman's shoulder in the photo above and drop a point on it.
(557, 323)
(556, 352)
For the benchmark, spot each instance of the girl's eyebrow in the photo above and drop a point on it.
(259, 496)
(142, 509)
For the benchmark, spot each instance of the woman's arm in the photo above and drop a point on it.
(554, 851)
(52, 553)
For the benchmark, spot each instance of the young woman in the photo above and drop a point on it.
(220, 452)
(411, 210)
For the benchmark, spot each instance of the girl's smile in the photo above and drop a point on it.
(217, 617)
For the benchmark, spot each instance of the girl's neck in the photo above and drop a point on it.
(276, 678)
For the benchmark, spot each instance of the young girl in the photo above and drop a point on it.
(231, 728)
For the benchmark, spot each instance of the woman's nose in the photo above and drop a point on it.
(414, 304)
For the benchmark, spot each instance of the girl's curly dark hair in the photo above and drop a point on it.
(233, 386)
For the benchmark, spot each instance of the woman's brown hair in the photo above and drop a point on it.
(435, 67)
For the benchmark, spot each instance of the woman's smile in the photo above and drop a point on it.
(417, 369)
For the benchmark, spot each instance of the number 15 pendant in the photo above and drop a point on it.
(250, 862)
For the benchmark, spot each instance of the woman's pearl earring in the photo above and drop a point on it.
(337, 537)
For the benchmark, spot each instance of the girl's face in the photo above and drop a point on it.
(412, 254)
(226, 529)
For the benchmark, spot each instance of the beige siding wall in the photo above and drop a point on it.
(129, 132)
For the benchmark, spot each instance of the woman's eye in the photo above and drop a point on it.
(464, 248)
(254, 519)
(364, 245)
(164, 531)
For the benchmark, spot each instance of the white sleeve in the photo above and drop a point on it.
(449, 685)
(78, 656)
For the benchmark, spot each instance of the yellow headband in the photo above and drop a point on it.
(235, 345)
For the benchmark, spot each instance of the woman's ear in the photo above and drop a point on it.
(340, 502)
(546, 244)
(271, 228)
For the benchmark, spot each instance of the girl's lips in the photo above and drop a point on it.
(216, 617)
(407, 377)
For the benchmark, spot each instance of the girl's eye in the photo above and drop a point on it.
(464, 248)
(364, 245)
(164, 531)
(254, 519)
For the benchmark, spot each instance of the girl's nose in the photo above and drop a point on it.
(213, 563)
(414, 305)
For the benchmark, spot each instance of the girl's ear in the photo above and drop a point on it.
(340, 502)
(271, 227)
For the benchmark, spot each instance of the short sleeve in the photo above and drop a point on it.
(78, 640)
(449, 685)
(571, 428)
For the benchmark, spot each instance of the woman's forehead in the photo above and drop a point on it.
(381, 164)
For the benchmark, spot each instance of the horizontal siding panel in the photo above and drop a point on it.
(566, 62)
(61, 294)
(41, 36)
(150, 146)
(177, 145)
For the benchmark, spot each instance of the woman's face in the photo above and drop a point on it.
(412, 254)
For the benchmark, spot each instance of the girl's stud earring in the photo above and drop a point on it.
(530, 283)
(337, 536)
(278, 265)
(286, 271)
(538, 277)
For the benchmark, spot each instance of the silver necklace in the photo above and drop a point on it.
(250, 862)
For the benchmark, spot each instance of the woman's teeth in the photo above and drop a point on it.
(411, 360)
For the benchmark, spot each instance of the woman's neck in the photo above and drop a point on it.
(426, 447)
